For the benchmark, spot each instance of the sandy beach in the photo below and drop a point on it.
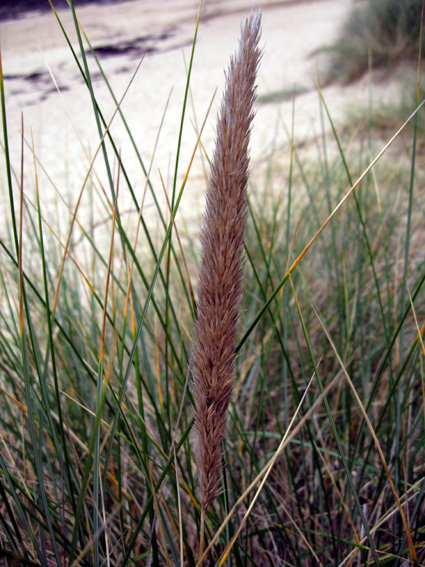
(45, 89)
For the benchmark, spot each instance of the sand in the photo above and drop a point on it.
(43, 85)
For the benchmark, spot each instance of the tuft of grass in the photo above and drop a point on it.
(323, 458)
(381, 33)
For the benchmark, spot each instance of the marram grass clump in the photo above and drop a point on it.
(221, 269)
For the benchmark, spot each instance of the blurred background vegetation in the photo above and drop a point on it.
(377, 33)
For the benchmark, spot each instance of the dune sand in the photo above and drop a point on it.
(35, 57)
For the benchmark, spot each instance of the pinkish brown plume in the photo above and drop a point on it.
(221, 270)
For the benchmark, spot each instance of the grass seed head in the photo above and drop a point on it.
(221, 269)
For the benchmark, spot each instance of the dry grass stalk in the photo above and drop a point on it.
(221, 269)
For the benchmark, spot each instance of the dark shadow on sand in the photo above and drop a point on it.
(14, 9)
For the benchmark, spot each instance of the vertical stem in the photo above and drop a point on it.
(201, 538)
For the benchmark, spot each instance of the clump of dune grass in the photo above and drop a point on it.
(221, 269)
(382, 33)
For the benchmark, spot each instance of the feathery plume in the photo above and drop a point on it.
(221, 269)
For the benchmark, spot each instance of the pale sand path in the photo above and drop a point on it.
(291, 30)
